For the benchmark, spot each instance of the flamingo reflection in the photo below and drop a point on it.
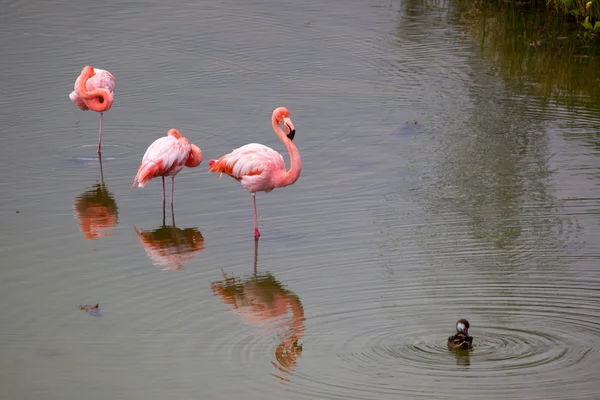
(96, 210)
(169, 245)
(261, 300)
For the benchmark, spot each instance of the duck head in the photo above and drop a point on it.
(462, 326)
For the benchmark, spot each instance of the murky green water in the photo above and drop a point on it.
(487, 208)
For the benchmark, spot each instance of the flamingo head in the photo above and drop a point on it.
(282, 116)
(175, 133)
(195, 157)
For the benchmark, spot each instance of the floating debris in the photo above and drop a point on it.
(93, 309)
(409, 128)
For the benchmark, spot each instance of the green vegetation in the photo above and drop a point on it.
(578, 8)
(581, 10)
(583, 13)
(534, 50)
(591, 29)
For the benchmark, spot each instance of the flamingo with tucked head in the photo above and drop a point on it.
(260, 168)
(166, 156)
(94, 90)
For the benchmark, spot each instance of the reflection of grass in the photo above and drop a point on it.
(579, 9)
(534, 50)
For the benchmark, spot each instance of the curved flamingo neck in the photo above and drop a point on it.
(292, 175)
(99, 99)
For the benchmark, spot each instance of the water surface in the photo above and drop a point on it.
(486, 208)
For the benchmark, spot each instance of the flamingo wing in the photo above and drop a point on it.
(166, 156)
(249, 160)
(168, 152)
(101, 80)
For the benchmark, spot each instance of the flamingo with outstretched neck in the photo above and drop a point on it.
(166, 156)
(94, 90)
(260, 168)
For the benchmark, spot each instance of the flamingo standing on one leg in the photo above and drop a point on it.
(260, 168)
(166, 157)
(94, 90)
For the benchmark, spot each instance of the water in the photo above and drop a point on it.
(486, 208)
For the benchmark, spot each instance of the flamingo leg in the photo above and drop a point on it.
(172, 189)
(172, 216)
(101, 173)
(256, 232)
(163, 192)
(100, 136)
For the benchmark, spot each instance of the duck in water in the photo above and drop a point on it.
(462, 340)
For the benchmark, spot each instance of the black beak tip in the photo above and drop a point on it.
(291, 134)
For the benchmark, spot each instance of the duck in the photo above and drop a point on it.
(462, 340)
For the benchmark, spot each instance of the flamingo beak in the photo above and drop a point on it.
(289, 127)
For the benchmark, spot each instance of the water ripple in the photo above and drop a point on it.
(411, 341)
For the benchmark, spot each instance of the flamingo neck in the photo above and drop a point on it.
(99, 99)
(288, 177)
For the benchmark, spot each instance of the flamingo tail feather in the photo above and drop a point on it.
(146, 172)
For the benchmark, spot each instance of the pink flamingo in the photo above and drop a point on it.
(94, 90)
(166, 157)
(260, 168)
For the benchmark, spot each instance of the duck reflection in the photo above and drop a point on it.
(96, 210)
(463, 357)
(169, 245)
(261, 300)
